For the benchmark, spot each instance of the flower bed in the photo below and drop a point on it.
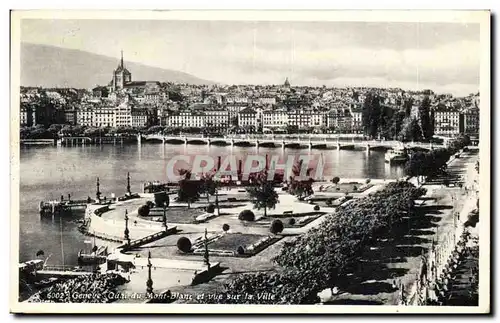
(227, 244)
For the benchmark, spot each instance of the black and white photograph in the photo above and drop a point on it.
(325, 162)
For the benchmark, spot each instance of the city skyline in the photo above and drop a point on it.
(411, 56)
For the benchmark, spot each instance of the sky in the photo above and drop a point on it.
(443, 57)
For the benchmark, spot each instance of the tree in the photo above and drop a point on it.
(335, 180)
(143, 210)
(246, 215)
(410, 131)
(264, 196)
(425, 118)
(276, 227)
(184, 244)
(371, 114)
(300, 188)
(188, 192)
(407, 105)
(208, 184)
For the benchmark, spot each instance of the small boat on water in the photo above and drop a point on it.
(395, 156)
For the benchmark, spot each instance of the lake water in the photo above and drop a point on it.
(49, 172)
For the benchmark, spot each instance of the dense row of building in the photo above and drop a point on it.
(127, 103)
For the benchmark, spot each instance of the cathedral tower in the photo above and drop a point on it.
(121, 76)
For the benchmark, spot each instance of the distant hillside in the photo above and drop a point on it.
(50, 66)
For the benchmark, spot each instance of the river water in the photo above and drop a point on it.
(49, 172)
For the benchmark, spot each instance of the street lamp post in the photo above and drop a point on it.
(126, 232)
(164, 218)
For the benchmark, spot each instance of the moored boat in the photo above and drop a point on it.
(394, 156)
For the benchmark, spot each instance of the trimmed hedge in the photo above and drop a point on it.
(276, 227)
(144, 210)
(184, 244)
(246, 215)
(210, 208)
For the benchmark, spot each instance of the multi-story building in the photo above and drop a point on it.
(85, 116)
(448, 122)
(235, 108)
(123, 115)
(70, 116)
(139, 117)
(27, 115)
(218, 119)
(248, 117)
(104, 116)
(471, 118)
(317, 119)
(274, 118)
(340, 120)
(299, 118)
(266, 100)
(357, 117)
(186, 119)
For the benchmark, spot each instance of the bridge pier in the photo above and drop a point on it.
(208, 142)
(367, 148)
(338, 146)
(257, 143)
(185, 141)
(283, 144)
(232, 143)
(310, 145)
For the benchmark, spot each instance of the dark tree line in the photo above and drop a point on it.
(386, 122)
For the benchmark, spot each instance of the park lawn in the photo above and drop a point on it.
(286, 220)
(346, 188)
(176, 214)
(231, 241)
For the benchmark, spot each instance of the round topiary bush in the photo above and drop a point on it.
(144, 210)
(210, 208)
(316, 208)
(162, 199)
(368, 181)
(291, 221)
(338, 188)
(276, 226)
(184, 244)
(225, 227)
(335, 180)
(150, 204)
(246, 215)
(240, 250)
(354, 188)
(329, 202)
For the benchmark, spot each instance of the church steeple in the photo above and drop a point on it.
(121, 61)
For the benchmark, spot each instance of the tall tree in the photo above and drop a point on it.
(408, 103)
(263, 195)
(425, 118)
(371, 114)
(300, 187)
(410, 131)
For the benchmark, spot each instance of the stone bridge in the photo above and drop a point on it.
(286, 142)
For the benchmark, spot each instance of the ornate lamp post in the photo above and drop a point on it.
(98, 192)
(149, 282)
(206, 256)
(128, 184)
(126, 232)
(164, 218)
